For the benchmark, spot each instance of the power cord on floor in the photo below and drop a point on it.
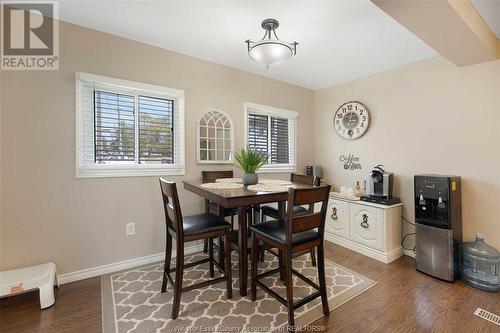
(414, 250)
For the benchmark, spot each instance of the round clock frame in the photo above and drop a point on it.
(351, 120)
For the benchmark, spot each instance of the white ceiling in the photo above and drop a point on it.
(489, 10)
(339, 40)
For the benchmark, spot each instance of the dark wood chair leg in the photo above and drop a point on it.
(322, 282)
(313, 256)
(221, 251)
(211, 256)
(207, 211)
(253, 275)
(228, 268)
(281, 265)
(262, 255)
(168, 259)
(289, 288)
(179, 266)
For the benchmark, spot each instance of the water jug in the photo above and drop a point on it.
(481, 265)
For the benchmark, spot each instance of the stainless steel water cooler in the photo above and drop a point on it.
(438, 225)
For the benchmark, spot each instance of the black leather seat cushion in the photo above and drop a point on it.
(197, 224)
(275, 230)
(272, 210)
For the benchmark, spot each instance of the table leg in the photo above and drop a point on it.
(281, 210)
(282, 216)
(242, 240)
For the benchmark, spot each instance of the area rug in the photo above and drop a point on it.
(132, 301)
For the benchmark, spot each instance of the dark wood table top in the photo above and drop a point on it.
(231, 198)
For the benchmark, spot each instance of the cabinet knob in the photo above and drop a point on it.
(365, 224)
(334, 213)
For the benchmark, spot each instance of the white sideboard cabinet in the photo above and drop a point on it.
(368, 228)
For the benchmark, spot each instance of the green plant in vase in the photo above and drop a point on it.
(250, 161)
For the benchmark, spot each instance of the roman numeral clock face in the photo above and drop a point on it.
(351, 120)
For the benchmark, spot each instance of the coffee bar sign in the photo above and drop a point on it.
(351, 162)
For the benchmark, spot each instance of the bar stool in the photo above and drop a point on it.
(188, 229)
(271, 210)
(212, 207)
(290, 236)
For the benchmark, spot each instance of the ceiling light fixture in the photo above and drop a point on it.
(270, 50)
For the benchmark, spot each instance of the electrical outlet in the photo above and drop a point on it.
(130, 229)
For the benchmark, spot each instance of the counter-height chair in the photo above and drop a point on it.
(293, 235)
(271, 210)
(212, 207)
(188, 229)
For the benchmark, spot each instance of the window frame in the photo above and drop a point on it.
(87, 170)
(198, 139)
(292, 143)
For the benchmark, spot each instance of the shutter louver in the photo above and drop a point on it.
(156, 137)
(279, 141)
(258, 132)
(114, 127)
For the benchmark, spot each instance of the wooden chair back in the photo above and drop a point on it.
(302, 179)
(312, 220)
(212, 176)
(173, 215)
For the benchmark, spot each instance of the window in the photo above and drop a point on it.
(127, 128)
(273, 131)
(215, 138)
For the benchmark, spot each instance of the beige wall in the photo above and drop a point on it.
(48, 214)
(429, 117)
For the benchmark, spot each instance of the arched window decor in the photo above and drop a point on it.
(215, 138)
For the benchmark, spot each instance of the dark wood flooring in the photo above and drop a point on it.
(404, 300)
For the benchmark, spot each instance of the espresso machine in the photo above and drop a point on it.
(438, 225)
(381, 183)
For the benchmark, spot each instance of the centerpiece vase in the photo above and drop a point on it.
(250, 179)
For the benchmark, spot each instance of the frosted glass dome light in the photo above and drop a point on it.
(269, 50)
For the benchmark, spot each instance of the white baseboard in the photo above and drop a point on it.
(409, 253)
(121, 265)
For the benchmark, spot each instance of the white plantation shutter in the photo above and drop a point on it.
(127, 128)
(273, 131)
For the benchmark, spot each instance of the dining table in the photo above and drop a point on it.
(242, 198)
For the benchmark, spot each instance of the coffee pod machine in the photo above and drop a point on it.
(438, 225)
(381, 182)
(380, 190)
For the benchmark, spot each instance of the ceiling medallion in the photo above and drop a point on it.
(270, 50)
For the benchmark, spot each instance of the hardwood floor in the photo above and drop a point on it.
(404, 300)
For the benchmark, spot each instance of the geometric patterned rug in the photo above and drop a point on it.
(132, 302)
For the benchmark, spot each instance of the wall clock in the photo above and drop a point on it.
(351, 120)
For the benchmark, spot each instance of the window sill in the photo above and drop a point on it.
(105, 171)
(214, 162)
(277, 169)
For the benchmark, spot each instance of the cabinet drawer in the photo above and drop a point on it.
(337, 218)
(367, 226)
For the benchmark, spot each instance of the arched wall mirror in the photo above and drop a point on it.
(215, 137)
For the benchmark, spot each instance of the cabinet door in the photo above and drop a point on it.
(367, 226)
(337, 218)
